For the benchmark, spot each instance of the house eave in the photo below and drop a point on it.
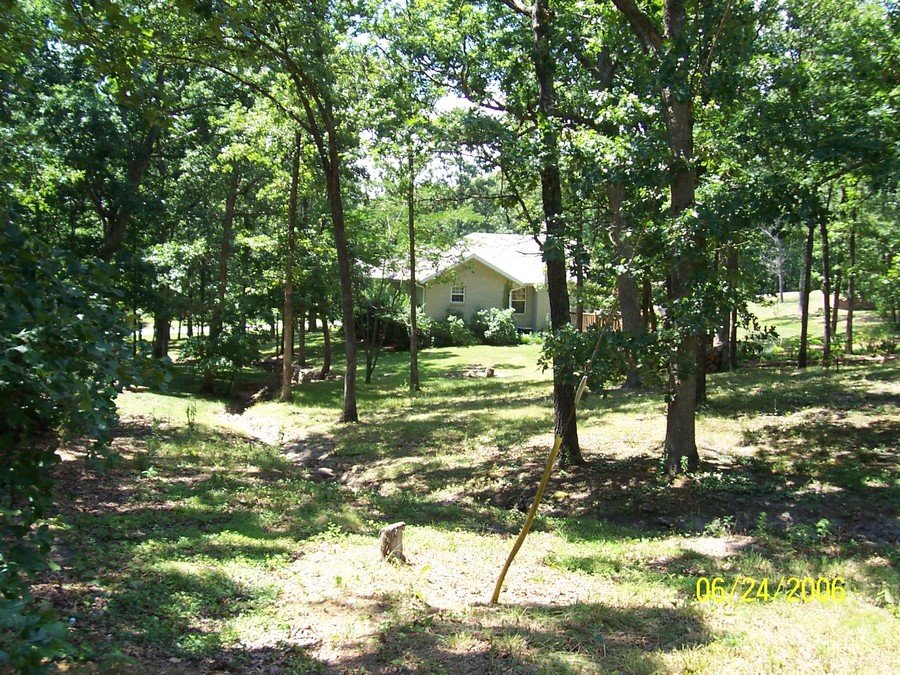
(478, 258)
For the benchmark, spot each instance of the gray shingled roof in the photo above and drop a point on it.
(515, 256)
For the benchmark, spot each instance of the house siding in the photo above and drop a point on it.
(542, 309)
(485, 288)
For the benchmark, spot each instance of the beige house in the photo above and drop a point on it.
(486, 270)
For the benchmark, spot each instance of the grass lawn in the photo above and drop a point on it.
(216, 544)
(868, 327)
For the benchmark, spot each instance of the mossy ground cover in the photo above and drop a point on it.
(216, 543)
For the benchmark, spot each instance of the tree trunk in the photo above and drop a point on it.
(287, 370)
(202, 315)
(313, 326)
(732, 342)
(215, 323)
(336, 202)
(326, 346)
(161, 327)
(779, 261)
(851, 291)
(725, 340)
(804, 297)
(413, 321)
(729, 331)
(279, 340)
(301, 342)
(680, 449)
(629, 305)
(115, 220)
(374, 342)
(835, 301)
(368, 343)
(565, 424)
(647, 311)
(703, 341)
(826, 290)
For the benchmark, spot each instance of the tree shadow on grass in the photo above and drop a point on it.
(527, 637)
(783, 391)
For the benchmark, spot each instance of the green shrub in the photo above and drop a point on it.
(62, 353)
(569, 350)
(224, 355)
(424, 330)
(452, 332)
(496, 326)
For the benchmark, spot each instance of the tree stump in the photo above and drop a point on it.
(392, 543)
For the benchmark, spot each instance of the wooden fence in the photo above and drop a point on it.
(605, 321)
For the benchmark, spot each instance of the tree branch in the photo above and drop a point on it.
(642, 25)
(517, 7)
(247, 83)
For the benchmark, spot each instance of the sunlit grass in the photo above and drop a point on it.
(213, 547)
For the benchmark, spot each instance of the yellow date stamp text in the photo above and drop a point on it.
(744, 589)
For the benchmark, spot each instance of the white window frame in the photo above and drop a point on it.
(458, 291)
(524, 300)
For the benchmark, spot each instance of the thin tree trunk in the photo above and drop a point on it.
(215, 323)
(826, 290)
(161, 328)
(649, 314)
(287, 371)
(413, 321)
(779, 260)
(725, 340)
(577, 263)
(732, 264)
(279, 342)
(804, 297)
(629, 305)
(702, 342)
(836, 299)
(326, 346)
(851, 291)
(703, 339)
(565, 423)
(301, 342)
(373, 346)
(732, 343)
(313, 326)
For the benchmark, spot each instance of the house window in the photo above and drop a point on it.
(457, 294)
(517, 300)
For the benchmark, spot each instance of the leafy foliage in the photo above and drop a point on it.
(224, 355)
(611, 351)
(495, 326)
(61, 356)
(451, 332)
